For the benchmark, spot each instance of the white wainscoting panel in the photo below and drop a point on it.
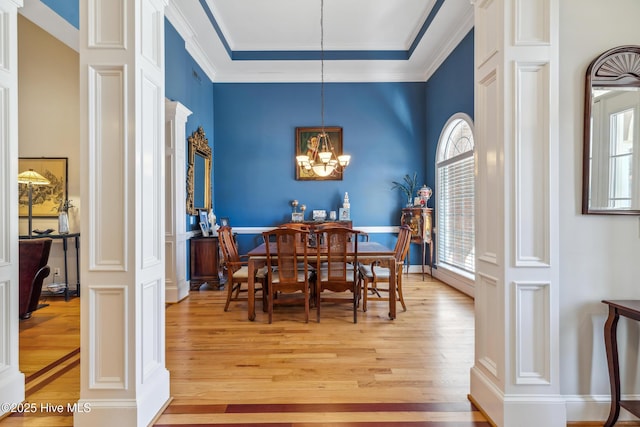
(169, 267)
(6, 180)
(488, 323)
(532, 22)
(152, 206)
(5, 322)
(152, 20)
(488, 37)
(107, 155)
(107, 36)
(489, 168)
(532, 334)
(531, 190)
(5, 50)
(152, 354)
(108, 311)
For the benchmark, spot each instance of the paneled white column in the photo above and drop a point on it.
(515, 377)
(11, 379)
(176, 237)
(123, 378)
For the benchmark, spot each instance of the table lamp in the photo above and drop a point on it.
(31, 178)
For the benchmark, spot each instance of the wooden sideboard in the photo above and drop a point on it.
(420, 222)
(205, 262)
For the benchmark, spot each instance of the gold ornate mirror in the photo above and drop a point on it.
(611, 158)
(198, 173)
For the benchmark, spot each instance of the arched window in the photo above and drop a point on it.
(455, 190)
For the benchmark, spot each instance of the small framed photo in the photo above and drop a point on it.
(319, 215)
(203, 217)
(204, 228)
(297, 216)
(224, 221)
(345, 214)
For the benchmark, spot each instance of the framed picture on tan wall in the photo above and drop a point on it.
(46, 199)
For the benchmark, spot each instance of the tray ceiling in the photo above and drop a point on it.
(279, 40)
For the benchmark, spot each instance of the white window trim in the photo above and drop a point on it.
(458, 279)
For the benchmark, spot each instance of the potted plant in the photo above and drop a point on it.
(408, 187)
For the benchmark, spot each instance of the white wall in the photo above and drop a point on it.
(49, 114)
(599, 255)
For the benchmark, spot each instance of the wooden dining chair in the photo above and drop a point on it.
(318, 228)
(288, 271)
(300, 226)
(238, 270)
(373, 275)
(337, 259)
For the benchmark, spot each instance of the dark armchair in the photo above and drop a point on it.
(34, 256)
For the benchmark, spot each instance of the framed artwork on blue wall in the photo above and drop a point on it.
(309, 143)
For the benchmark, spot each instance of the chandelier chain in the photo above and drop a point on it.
(322, 64)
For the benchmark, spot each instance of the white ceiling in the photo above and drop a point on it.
(279, 40)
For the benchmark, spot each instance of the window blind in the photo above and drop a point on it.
(455, 212)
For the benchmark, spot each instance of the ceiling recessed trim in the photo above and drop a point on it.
(315, 55)
(425, 26)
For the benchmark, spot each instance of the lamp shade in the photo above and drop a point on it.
(32, 177)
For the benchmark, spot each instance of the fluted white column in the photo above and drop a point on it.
(177, 286)
(515, 378)
(11, 379)
(123, 378)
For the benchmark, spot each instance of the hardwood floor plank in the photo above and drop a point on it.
(226, 370)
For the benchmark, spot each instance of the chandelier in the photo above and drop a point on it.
(324, 160)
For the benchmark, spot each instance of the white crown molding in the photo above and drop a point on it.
(463, 29)
(186, 31)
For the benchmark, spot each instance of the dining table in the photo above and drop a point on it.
(367, 253)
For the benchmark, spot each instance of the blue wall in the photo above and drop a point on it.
(69, 10)
(390, 129)
(383, 130)
(448, 91)
(187, 83)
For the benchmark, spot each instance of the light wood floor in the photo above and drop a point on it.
(226, 370)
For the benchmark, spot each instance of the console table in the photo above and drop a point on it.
(617, 308)
(65, 245)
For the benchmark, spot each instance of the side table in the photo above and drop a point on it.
(205, 262)
(420, 221)
(617, 308)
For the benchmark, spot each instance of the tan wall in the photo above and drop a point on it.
(48, 108)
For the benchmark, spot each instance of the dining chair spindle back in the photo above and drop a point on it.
(288, 269)
(337, 271)
(237, 269)
(373, 275)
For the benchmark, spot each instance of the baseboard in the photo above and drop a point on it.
(595, 408)
(516, 410)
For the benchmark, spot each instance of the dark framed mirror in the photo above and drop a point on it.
(611, 156)
(198, 173)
